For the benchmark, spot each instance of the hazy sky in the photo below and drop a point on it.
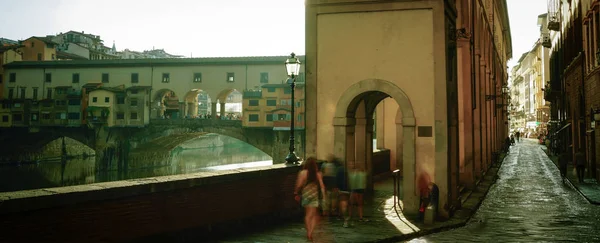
(201, 27)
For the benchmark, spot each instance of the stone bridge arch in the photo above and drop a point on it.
(353, 118)
(165, 102)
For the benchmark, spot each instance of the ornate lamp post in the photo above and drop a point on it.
(292, 67)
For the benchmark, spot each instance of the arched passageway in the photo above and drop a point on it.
(228, 105)
(165, 104)
(197, 104)
(353, 131)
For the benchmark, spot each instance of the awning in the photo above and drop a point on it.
(562, 128)
(96, 108)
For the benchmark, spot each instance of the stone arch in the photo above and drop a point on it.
(165, 104)
(74, 146)
(221, 100)
(368, 93)
(196, 103)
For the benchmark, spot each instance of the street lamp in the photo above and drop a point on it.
(292, 67)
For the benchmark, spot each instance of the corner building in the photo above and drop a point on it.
(436, 67)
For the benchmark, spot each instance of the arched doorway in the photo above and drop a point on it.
(165, 104)
(353, 131)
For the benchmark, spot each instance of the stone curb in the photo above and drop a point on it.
(570, 182)
(452, 226)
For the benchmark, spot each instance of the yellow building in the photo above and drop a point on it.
(38, 49)
(175, 83)
(271, 106)
(8, 54)
(101, 106)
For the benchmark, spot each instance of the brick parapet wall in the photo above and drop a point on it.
(127, 210)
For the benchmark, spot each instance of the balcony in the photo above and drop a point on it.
(546, 41)
(549, 94)
(554, 20)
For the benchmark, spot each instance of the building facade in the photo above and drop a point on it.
(171, 88)
(270, 107)
(449, 117)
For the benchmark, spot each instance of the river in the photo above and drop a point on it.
(207, 153)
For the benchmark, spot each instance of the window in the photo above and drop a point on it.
(135, 78)
(166, 78)
(75, 78)
(34, 116)
(17, 117)
(60, 116)
(61, 102)
(120, 100)
(12, 77)
(73, 116)
(298, 104)
(253, 102)
(106, 99)
(5, 118)
(264, 78)
(39, 56)
(281, 117)
(134, 102)
(46, 116)
(53, 56)
(35, 93)
(271, 102)
(0, 78)
(74, 102)
(197, 77)
(120, 115)
(134, 91)
(11, 92)
(49, 93)
(94, 99)
(32, 44)
(105, 78)
(269, 117)
(230, 77)
(253, 117)
(299, 117)
(271, 89)
(287, 90)
(133, 116)
(23, 89)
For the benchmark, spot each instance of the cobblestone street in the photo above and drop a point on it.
(529, 203)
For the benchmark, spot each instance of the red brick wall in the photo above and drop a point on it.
(219, 200)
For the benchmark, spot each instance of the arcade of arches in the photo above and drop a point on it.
(196, 103)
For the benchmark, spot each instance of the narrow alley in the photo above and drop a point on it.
(528, 203)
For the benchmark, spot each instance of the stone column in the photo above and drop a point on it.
(213, 110)
(222, 110)
(360, 134)
(409, 190)
(380, 133)
(369, 153)
(344, 140)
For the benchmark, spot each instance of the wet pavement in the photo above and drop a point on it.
(530, 203)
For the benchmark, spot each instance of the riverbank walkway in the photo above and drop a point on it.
(386, 223)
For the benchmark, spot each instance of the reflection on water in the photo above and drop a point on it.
(207, 153)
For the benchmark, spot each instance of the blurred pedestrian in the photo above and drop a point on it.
(329, 170)
(580, 165)
(343, 192)
(308, 182)
(563, 162)
(358, 184)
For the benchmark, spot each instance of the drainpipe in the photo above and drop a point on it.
(246, 77)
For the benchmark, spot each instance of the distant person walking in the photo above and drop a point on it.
(518, 135)
(329, 170)
(308, 182)
(563, 162)
(580, 165)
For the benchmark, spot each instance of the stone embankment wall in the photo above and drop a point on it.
(202, 203)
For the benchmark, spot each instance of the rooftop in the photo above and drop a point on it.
(151, 62)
